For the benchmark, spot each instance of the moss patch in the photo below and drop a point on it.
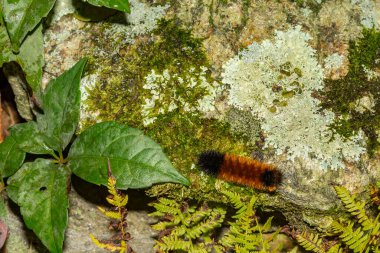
(345, 96)
(120, 95)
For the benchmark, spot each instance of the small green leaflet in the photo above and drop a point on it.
(30, 58)
(121, 5)
(40, 189)
(11, 157)
(22, 16)
(136, 160)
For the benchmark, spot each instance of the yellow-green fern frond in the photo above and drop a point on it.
(168, 243)
(213, 221)
(165, 206)
(108, 246)
(110, 214)
(235, 199)
(163, 225)
(311, 242)
(115, 198)
(197, 217)
(246, 233)
(186, 227)
(335, 249)
(355, 239)
(118, 200)
(118, 215)
(354, 207)
(111, 185)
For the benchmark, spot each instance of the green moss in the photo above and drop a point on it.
(342, 95)
(119, 95)
(121, 81)
(312, 4)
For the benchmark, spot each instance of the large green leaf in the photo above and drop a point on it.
(121, 5)
(11, 157)
(22, 16)
(61, 103)
(29, 139)
(136, 160)
(40, 189)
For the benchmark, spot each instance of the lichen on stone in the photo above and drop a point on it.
(276, 81)
(356, 97)
(370, 15)
(142, 19)
(188, 93)
(333, 61)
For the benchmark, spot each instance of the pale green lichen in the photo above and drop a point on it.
(333, 61)
(370, 15)
(275, 81)
(371, 75)
(188, 93)
(142, 20)
(366, 103)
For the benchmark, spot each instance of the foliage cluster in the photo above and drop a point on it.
(40, 187)
(118, 216)
(361, 233)
(186, 227)
(21, 34)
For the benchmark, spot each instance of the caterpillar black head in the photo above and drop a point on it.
(210, 162)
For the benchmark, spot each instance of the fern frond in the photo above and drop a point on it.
(163, 225)
(357, 240)
(214, 221)
(107, 246)
(197, 217)
(173, 243)
(118, 200)
(235, 199)
(110, 214)
(335, 249)
(354, 207)
(111, 185)
(165, 206)
(310, 242)
(246, 234)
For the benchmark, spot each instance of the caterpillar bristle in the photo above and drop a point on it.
(210, 162)
(240, 170)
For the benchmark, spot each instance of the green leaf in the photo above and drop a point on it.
(11, 157)
(40, 189)
(61, 103)
(29, 138)
(136, 160)
(30, 58)
(3, 210)
(22, 16)
(6, 54)
(121, 5)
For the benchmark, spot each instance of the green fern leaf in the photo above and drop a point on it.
(310, 242)
(353, 207)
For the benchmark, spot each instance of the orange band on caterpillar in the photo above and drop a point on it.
(240, 170)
